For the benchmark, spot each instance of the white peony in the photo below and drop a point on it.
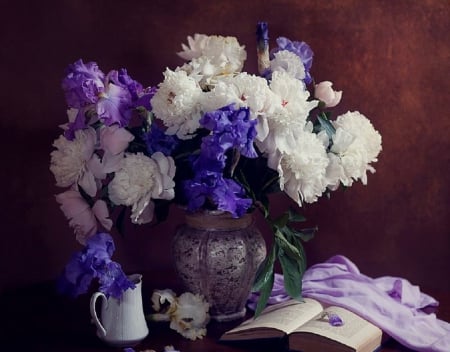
(177, 104)
(244, 90)
(302, 170)
(195, 47)
(74, 162)
(225, 53)
(141, 179)
(294, 96)
(213, 56)
(289, 117)
(286, 61)
(356, 144)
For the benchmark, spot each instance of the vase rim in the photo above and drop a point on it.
(217, 220)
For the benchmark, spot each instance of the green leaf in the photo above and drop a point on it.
(286, 246)
(265, 270)
(282, 220)
(326, 125)
(292, 275)
(305, 234)
(265, 292)
(295, 217)
(265, 279)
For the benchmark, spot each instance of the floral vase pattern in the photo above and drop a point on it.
(217, 256)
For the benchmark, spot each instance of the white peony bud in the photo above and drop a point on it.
(326, 94)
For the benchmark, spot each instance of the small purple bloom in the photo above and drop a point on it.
(94, 262)
(302, 50)
(82, 84)
(335, 320)
(157, 141)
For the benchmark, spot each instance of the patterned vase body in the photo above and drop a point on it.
(217, 256)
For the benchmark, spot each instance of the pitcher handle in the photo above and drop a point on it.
(94, 316)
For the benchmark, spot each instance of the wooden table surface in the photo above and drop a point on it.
(36, 318)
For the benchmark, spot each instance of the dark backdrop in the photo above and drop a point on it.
(390, 58)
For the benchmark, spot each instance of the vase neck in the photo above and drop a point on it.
(221, 221)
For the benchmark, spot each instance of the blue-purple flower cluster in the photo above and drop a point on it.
(111, 97)
(157, 140)
(94, 262)
(230, 128)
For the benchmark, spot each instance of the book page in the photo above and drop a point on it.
(356, 332)
(286, 316)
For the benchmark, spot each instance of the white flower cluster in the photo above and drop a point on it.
(137, 178)
(308, 163)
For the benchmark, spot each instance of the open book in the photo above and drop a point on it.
(308, 329)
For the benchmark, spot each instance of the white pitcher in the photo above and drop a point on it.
(122, 320)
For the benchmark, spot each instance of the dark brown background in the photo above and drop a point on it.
(390, 58)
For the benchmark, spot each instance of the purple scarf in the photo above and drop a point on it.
(392, 304)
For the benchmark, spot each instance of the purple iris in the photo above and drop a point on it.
(231, 128)
(94, 262)
(200, 188)
(302, 50)
(145, 97)
(115, 103)
(113, 97)
(82, 84)
(134, 87)
(157, 141)
(230, 196)
(225, 193)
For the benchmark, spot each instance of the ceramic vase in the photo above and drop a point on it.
(217, 256)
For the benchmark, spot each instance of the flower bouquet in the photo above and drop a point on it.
(208, 137)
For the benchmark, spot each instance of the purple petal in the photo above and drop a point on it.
(335, 320)
(114, 106)
(82, 84)
(94, 261)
